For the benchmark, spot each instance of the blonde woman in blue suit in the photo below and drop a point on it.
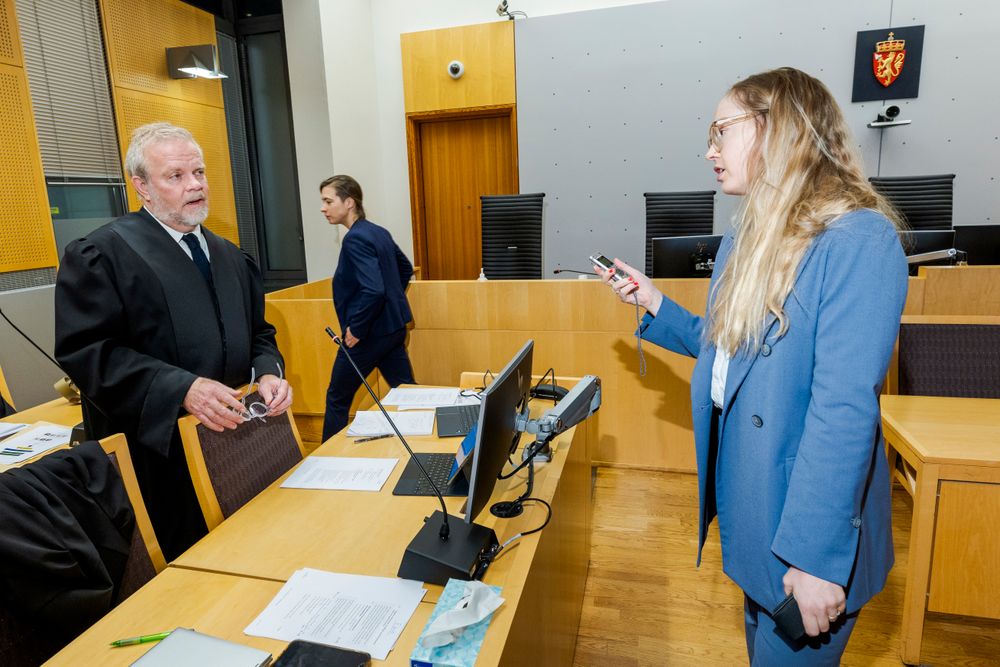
(803, 311)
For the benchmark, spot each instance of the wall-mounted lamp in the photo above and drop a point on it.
(188, 62)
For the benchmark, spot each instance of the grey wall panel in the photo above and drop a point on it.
(955, 128)
(616, 102)
(29, 375)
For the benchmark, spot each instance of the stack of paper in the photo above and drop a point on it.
(340, 473)
(373, 422)
(422, 398)
(351, 611)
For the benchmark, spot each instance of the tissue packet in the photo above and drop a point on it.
(463, 651)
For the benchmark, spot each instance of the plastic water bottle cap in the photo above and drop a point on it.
(482, 274)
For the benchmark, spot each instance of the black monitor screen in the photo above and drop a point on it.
(980, 243)
(921, 241)
(684, 256)
(496, 431)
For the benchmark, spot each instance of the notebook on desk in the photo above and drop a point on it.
(184, 646)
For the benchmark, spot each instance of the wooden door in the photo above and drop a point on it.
(455, 159)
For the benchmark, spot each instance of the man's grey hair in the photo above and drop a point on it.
(147, 135)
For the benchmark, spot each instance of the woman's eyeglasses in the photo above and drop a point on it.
(717, 126)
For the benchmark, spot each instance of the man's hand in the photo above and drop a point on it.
(213, 404)
(820, 602)
(349, 338)
(277, 393)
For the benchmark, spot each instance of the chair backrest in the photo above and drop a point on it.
(512, 235)
(145, 559)
(228, 469)
(677, 214)
(948, 356)
(924, 201)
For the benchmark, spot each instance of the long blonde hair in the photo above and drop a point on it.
(804, 172)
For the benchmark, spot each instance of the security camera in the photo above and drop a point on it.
(502, 8)
(888, 113)
(456, 69)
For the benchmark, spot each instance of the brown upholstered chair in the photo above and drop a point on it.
(25, 644)
(228, 469)
(145, 559)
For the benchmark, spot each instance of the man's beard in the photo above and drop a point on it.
(179, 218)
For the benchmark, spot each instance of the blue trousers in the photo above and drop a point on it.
(767, 648)
(387, 353)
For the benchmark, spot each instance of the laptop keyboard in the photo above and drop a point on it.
(438, 466)
(469, 414)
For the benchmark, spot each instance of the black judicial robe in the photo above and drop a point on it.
(136, 324)
(64, 543)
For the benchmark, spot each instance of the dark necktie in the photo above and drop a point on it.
(198, 255)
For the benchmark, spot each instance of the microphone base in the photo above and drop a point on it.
(463, 555)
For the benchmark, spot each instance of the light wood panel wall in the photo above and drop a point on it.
(965, 290)
(578, 328)
(136, 36)
(309, 353)
(26, 236)
(486, 50)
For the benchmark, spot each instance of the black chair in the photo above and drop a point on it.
(925, 202)
(949, 359)
(677, 214)
(512, 235)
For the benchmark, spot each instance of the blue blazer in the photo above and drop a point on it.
(800, 475)
(369, 285)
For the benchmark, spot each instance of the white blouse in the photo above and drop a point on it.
(720, 370)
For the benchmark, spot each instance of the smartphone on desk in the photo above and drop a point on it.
(302, 653)
(600, 260)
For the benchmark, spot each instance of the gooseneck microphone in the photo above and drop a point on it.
(445, 529)
(462, 551)
(586, 273)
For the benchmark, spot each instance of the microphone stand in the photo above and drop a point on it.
(586, 273)
(429, 557)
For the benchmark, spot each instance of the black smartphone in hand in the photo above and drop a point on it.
(788, 619)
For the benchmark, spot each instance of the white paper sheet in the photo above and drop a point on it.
(422, 398)
(8, 428)
(352, 611)
(32, 442)
(373, 422)
(340, 474)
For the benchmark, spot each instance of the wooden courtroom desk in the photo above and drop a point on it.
(542, 575)
(57, 411)
(946, 453)
(221, 605)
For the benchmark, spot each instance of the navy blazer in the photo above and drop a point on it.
(369, 285)
(800, 475)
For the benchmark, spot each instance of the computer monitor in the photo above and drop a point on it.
(496, 432)
(917, 242)
(684, 256)
(980, 243)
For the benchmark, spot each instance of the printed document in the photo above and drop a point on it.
(33, 441)
(373, 422)
(422, 398)
(340, 473)
(351, 611)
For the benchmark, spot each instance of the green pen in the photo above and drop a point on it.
(142, 639)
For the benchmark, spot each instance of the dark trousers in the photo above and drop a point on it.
(386, 353)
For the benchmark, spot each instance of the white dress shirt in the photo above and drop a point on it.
(177, 236)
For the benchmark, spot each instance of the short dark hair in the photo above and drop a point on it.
(345, 186)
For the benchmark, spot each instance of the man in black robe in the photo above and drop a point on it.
(157, 316)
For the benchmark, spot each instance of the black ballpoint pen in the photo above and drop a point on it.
(373, 437)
